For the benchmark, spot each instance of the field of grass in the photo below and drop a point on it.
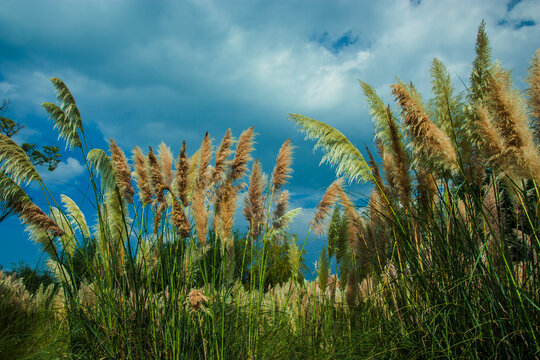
(442, 263)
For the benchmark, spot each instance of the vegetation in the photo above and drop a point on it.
(442, 263)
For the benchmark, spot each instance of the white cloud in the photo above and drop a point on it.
(66, 172)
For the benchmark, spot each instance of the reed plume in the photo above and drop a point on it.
(104, 167)
(15, 163)
(338, 149)
(431, 144)
(156, 178)
(75, 215)
(181, 174)
(30, 213)
(200, 214)
(166, 162)
(282, 205)
(179, 219)
(242, 155)
(122, 172)
(510, 120)
(399, 158)
(282, 168)
(141, 176)
(204, 162)
(328, 200)
(222, 154)
(227, 209)
(533, 92)
(254, 202)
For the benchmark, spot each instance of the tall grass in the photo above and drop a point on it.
(442, 263)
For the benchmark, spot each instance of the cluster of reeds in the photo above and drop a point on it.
(450, 235)
(441, 263)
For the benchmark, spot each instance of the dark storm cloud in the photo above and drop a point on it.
(143, 71)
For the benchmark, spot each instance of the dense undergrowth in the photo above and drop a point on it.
(442, 263)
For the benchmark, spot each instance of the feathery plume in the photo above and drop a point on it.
(254, 206)
(282, 204)
(200, 214)
(156, 178)
(32, 214)
(196, 300)
(226, 215)
(338, 149)
(489, 139)
(328, 200)
(204, 162)
(166, 163)
(377, 179)
(399, 158)
(242, 155)
(430, 143)
(75, 215)
(179, 219)
(104, 167)
(222, 154)
(282, 168)
(15, 163)
(181, 175)
(123, 174)
(533, 92)
(510, 120)
(141, 176)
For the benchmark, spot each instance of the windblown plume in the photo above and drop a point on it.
(282, 168)
(226, 215)
(510, 120)
(166, 163)
(141, 176)
(204, 162)
(39, 224)
(445, 105)
(399, 158)
(432, 145)
(378, 112)
(377, 179)
(489, 140)
(12, 197)
(328, 200)
(181, 175)
(75, 215)
(67, 129)
(15, 163)
(192, 174)
(67, 118)
(242, 155)
(282, 204)
(254, 202)
(179, 219)
(156, 178)
(104, 167)
(222, 154)
(533, 92)
(481, 65)
(122, 172)
(68, 240)
(200, 214)
(338, 149)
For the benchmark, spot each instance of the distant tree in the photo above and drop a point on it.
(45, 155)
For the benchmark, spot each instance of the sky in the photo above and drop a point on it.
(143, 72)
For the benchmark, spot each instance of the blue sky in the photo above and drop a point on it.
(142, 72)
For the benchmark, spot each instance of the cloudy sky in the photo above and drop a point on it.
(146, 71)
